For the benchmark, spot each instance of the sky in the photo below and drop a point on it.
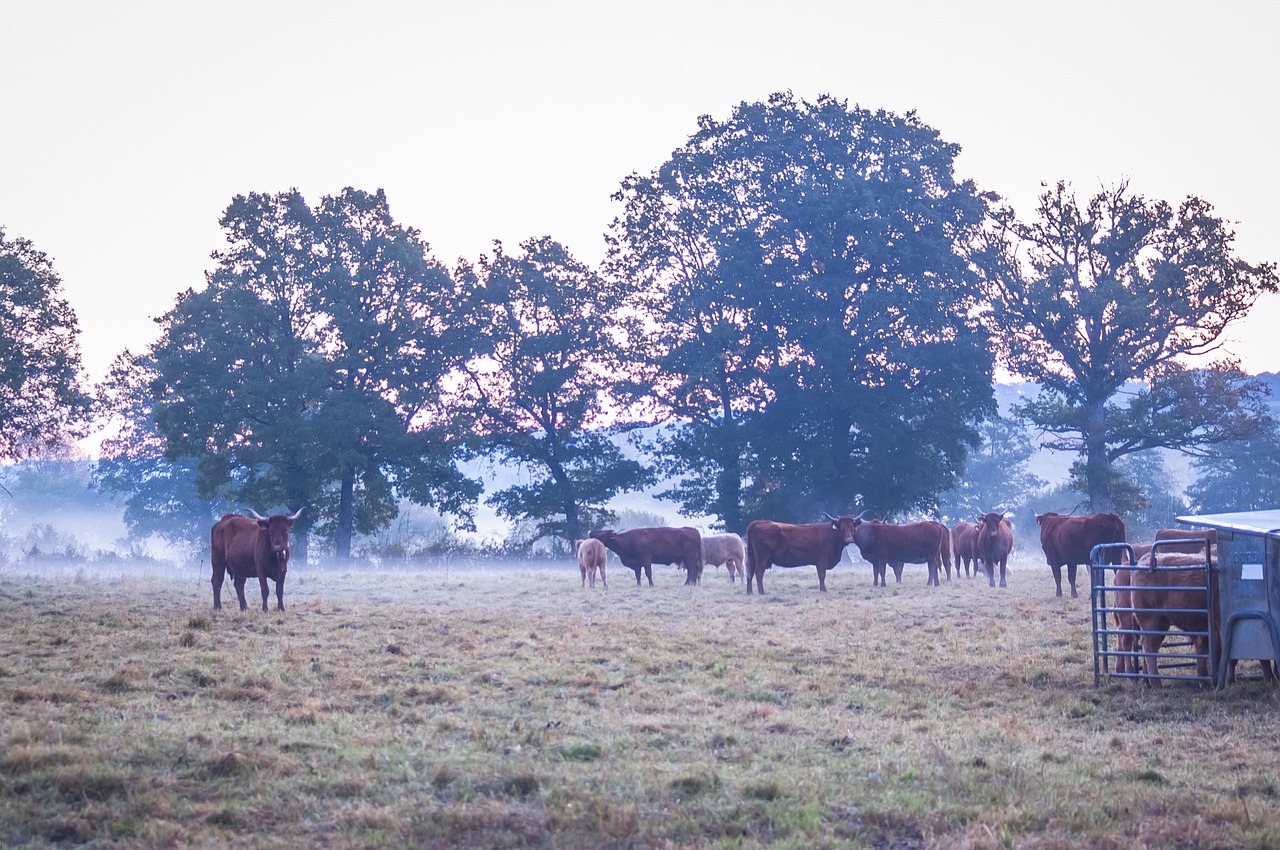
(129, 126)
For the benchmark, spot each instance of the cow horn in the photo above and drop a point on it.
(295, 515)
(255, 514)
(830, 517)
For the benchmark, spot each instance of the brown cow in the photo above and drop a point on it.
(963, 536)
(992, 545)
(724, 549)
(772, 543)
(248, 547)
(1069, 540)
(883, 544)
(1169, 597)
(641, 548)
(592, 556)
(1187, 534)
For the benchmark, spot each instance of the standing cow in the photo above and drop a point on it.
(785, 545)
(248, 547)
(883, 545)
(963, 536)
(1069, 540)
(992, 544)
(592, 556)
(641, 548)
(724, 549)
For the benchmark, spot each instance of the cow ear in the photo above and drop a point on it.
(262, 523)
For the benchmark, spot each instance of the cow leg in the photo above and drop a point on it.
(822, 579)
(1057, 577)
(648, 572)
(239, 582)
(583, 570)
(1004, 566)
(757, 570)
(637, 572)
(219, 573)
(934, 569)
(603, 581)
(1150, 646)
(897, 573)
(1071, 578)
(266, 592)
(280, 593)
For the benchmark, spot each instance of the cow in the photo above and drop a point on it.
(1069, 540)
(782, 544)
(992, 544)
(724, 549)
(1166, 597)
(247, 547)
(1195, 538)
(963, 536)
(641, 548)
(591, 556)
(884, 544)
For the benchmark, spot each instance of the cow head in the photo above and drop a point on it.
(847, 526)
(604, 535)
(277, 527)
(991, 521)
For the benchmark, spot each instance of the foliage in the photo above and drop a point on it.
(1240, 475)
(307, 372)
(803, 269)
(1090, 298)
(995, 477)
(42, 404)
(537, 385)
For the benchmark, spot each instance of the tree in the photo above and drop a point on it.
(996, 475)
(1090, 299)
(42, 403)
(1240, 475)
(306, 373)
(804, 267)
(161, 497)
(537, 384)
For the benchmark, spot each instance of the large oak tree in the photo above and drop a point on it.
(307, 372)
(1101, 304)
(804, 267)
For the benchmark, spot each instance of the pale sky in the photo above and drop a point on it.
(129, 126)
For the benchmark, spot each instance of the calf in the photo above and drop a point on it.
(724, 549)
(592, 556)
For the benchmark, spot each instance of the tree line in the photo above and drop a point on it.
(804, 297)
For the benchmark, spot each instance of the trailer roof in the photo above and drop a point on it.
(1245, 522)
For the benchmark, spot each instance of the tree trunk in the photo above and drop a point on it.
(346, 515)
(729, 480)
(1096, 464)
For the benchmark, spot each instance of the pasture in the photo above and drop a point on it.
(503, 706)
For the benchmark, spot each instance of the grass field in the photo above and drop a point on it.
(455, 705)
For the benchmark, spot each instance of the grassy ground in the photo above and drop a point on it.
(464, 706)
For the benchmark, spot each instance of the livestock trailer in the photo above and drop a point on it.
(1241, 599)
(1248, 568)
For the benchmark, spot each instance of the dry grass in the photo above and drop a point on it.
(507, 707)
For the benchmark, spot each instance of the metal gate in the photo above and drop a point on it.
(1178, 652)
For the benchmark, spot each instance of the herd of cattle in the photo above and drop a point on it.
(1148, 601)
(983, 545)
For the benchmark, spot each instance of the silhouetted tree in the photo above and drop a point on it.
(1090, 298)
(804, 269)
(538, 384)
(1240, 475)
(42, 403)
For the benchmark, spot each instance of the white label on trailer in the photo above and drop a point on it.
(1251, 572)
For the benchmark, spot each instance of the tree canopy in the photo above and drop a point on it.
(544, 355)
(306, 373)
(1090, 299)
(42, 403)
(804, 269)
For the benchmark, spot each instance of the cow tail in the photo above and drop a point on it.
(946, 554)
